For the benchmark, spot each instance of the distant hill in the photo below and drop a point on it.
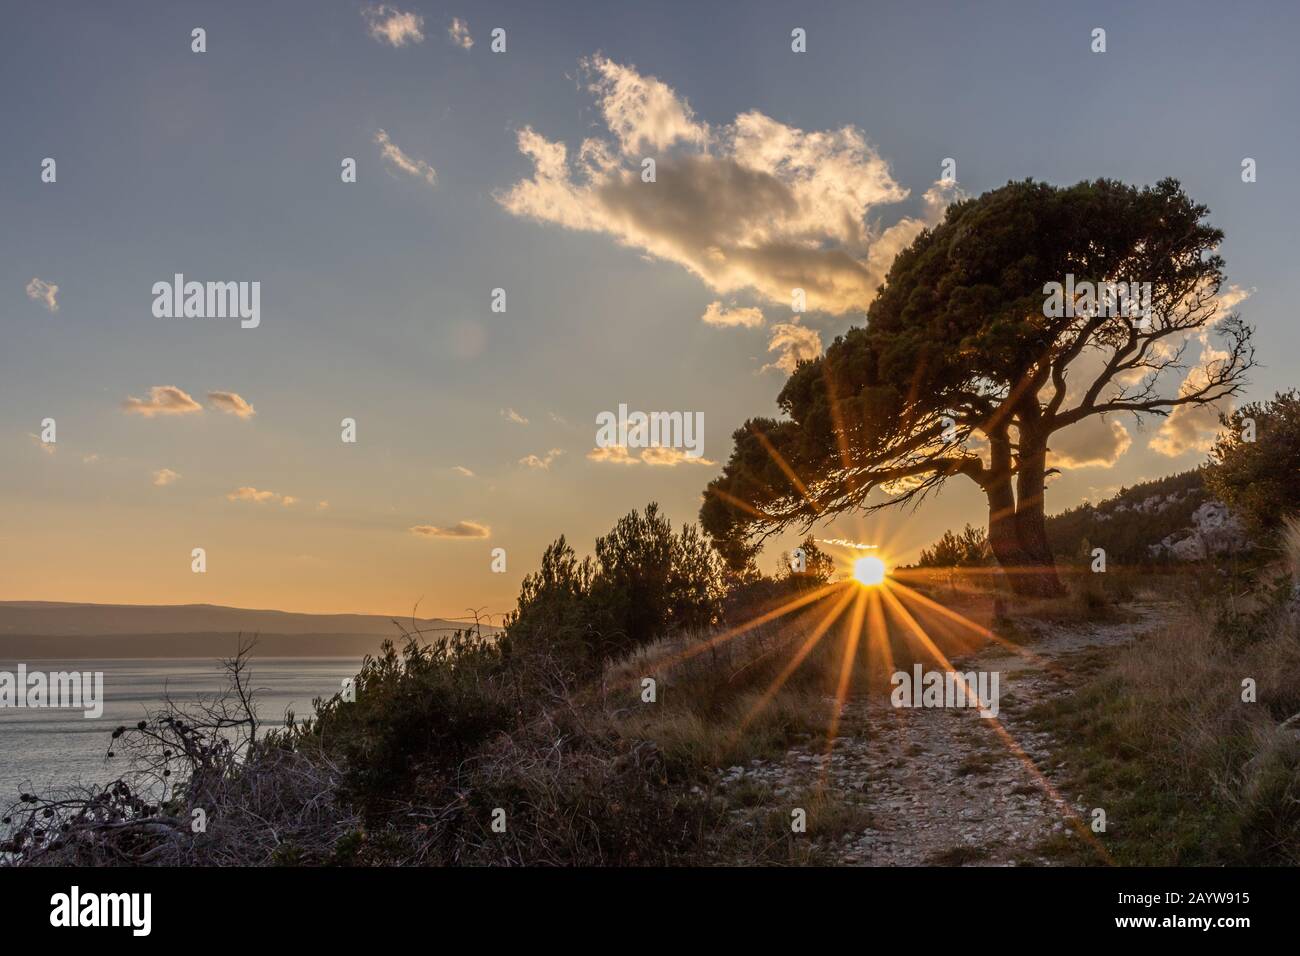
(50, 629)
(1167, 520)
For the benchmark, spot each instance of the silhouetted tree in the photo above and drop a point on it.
(961, 370)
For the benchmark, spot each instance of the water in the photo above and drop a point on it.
(43, 748)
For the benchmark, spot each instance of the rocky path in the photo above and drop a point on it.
(943, 785)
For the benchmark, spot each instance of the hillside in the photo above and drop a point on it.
(1168, 520)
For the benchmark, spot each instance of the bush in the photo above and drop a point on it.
(1255, 464)
(968, 548)
(644, 581)
(416, 717)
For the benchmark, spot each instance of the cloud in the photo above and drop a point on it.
(392, 26)
(461, 530)
(544, 463)
(322, 506)
(794, 342)
(255, 496)
(459, 33)
(659, 457)
(232, 404)
(1192, 427)
(164, 476)
(162, 400)
(715, 314)
(1094, 442)
(510, 415)
(46, 446)
(671, 457)
(752, 205)
(412, 167)
(847, 543)
(462, 471)
(641, 111)
(613, 455)
(46, 293)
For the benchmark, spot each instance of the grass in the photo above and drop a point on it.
(1187, 772)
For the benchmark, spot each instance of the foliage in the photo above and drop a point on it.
(957, 346)
(818, 566)
(644, 580)
(967, 548)
(1260, 478)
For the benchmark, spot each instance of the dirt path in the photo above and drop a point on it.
(943, 785)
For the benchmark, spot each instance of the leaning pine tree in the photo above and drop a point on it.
(971, 359)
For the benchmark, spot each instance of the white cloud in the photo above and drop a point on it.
(162, 400)
(716, 314)
(390, 25)
(247, 493)
(1192, 427)
(164, 476)
(753, 205)
(794, 342)
(46, 293)
(641, 111)
(661, 457)
(613, 455)
(232, 404)
(462, 471)
(412, 167)
(459, 33)
(510, 415)
(1093, 442)
(46, 446)
(461, 530)
(542, 462)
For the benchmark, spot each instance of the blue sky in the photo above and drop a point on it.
(375, 295)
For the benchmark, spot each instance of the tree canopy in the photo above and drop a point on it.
(963, 369)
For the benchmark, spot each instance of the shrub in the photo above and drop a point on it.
(1258, 474)
(644, 581)
(968, 548)
(416, 717)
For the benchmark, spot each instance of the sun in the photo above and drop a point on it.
(869, 571)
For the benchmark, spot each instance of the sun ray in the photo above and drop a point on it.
(781, 463)
(962, 620)
(846, 666)
(1063, 806)
(793, 665)
(731, 633)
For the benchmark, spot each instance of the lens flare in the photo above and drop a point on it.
(869, 570)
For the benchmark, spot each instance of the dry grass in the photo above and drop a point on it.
(1189, 772)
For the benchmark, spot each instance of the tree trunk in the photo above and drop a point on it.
(1017, 528)
(1031, 522)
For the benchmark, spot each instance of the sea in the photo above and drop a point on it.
(45, 748)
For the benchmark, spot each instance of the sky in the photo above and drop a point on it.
(521, 170)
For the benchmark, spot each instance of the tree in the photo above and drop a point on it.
(967, 548)
(644, 582)
(1255, 464)
(818, 566)
(966, 368)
